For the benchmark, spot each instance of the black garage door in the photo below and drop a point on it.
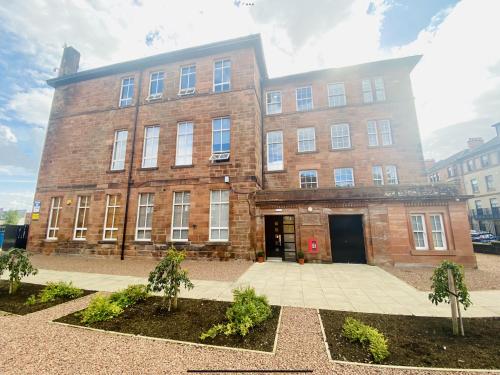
(347, 239)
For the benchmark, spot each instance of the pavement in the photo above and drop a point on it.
(348, 287)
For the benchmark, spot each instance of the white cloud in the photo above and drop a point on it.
(17, 200)
(32, 106)
(7, 135)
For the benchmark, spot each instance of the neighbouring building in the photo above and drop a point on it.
(476, 171)
(200, 149)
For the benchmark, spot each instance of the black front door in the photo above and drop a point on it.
(347, 239)
(275, 245)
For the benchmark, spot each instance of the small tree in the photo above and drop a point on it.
(11, 217)
(16, 261)
(448, 285)
(168, 277)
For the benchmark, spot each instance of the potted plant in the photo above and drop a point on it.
(260, 256)
(300, 256)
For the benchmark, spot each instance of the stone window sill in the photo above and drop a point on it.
(307, 152)
(109, 242)
(278, 171)
(217, 243)
(147, 169)
(341, 149)
(182, 166)
(115, 171)
(432, 252)
(136, 242)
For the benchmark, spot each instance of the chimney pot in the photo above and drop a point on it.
(497, 128)
(474, 142)
(69, 62)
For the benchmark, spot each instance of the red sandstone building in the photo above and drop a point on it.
(199, 148)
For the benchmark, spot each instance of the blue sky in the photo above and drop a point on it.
(454, 84)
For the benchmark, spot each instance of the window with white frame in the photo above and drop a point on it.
(222, 75)
(485, 160)
(82, 210)
(369, 94)
(438, 235)
(306, 138)
(379, 129)
(150, 149)
(474, 185)
(419, 232)
(273, 102)
(275, 150)
(156, 85)
(340, 136)
(219, 215)
(494, 203)
(336, 95)
(470, 165)
(53, 225)
(127, 91)
(304, 98)
(490, 185)
(221, 135)
(378, 175)
(379, 89)
(144, 225)
(184, 149)
(344, 177)
(188, 79)
(111, 217)
(119, 150)
(180, 215)
(308, 179)
(392, 175)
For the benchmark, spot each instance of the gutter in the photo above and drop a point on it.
(129, 179)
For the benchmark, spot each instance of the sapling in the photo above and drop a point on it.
(168, 277)
(16, 261)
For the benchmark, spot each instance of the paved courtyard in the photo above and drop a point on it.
(350, 287)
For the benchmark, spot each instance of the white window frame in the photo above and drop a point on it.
(489, 182)
(275, 165)
(78, 232)
(221, 132)
(389, 169)
(367, 91)
(372, 131)
(342, 136)
(380, 171)
(301, 141)
(114, 206)
(474, 182)
(219, 206)
(303, 99)
(126, 102)
(423, 231)
(192, 88)
(385, 130)
(441, 232)
(332, 98)
(149, 204)
(184, 158)
(183, 205)
(224, 81)
(347, 183)
(119, 151)
(379, 90)
(156, 95)
(268, 103)
(155, 143)
(55, 206)
(316, 182)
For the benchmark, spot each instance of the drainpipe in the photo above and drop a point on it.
(129, 180)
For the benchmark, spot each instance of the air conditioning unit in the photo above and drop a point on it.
(188, 91)
(221, 156)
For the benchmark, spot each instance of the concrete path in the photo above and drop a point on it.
(349, 287)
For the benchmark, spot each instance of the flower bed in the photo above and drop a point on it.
(419, 341)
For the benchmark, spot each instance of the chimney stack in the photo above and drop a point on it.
(474, 142)
(497, 128)
(69, 61)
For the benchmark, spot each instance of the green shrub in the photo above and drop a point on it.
(31, 300)
(100, 309)
(168, 277)
(129, 296)
(59, 290)
(355, 330)
(247, 311)
(16, 261)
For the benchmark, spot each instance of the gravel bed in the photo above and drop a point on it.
(485, 277)
(32, 345)
(198, 269)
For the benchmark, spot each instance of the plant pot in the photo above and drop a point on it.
(260, 259)
(301, 261)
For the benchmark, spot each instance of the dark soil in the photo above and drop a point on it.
(192, 318)
(419, 341)
(15, 303)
